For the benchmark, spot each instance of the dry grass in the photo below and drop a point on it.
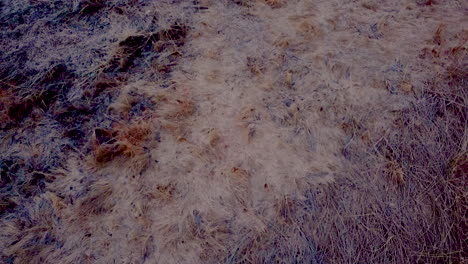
(233, 131)
(403, 199)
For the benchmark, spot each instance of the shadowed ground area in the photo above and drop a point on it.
(233, 131)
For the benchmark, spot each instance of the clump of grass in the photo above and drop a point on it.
(132, 49)
(124, 140)
(97, 200)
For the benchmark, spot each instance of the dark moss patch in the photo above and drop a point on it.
(42, 94)
(134, 48)
(104, 136)
(75, 134)
(91, 7)
(131, 49)
(6, 205)
(20, 110)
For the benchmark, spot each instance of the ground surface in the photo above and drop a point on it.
(248, 131)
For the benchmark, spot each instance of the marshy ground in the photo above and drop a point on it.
(233, 131)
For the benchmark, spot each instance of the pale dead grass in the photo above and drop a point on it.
(253, 131)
